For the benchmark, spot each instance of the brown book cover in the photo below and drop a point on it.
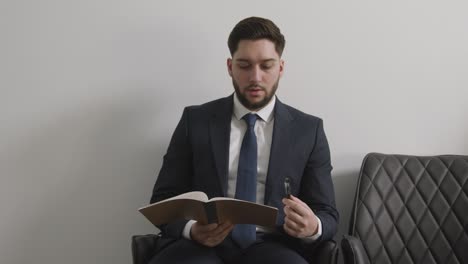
(197, 206)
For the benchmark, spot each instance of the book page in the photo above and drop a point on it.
(185, 206)
(199, 196)
(243, 212)
(223, 198)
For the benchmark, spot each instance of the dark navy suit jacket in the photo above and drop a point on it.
(198, 155)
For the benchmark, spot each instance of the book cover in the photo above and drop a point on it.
(197, 206)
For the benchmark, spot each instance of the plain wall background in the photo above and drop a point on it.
(91, 92)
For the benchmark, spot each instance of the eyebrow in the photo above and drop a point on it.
(263, 61)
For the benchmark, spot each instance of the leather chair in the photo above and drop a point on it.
(144, 247)
(409, 209)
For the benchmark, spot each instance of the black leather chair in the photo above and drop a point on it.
(409, 209)
(144, 247)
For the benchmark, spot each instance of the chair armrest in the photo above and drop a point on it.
(143, 248)
(353, 251)
(326, 252)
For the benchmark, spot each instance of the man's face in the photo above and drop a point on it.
(255, 69)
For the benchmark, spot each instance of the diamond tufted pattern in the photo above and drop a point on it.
(411, 209)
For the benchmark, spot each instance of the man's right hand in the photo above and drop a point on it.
(210, 235)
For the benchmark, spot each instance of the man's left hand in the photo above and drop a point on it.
(300, 220)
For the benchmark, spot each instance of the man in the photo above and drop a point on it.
(220, 146)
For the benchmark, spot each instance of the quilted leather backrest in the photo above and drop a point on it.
(411, 209)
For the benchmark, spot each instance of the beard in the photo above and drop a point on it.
(255, 106)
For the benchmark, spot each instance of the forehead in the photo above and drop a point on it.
(257, 50)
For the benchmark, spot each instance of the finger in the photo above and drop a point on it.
(294, 216)
(201, 232)
(218, 238)
(227, 227)
(293, 224)
(296, 230)
(225, 232)
(209, 240)
(289, 202)
(298, 208)
(220, 230)
(303, 226)
(206, 228)
(290, 231)
(294, 198)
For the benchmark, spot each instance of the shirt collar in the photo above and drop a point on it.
(265, 113)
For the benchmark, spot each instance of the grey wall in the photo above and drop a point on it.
(92, 90)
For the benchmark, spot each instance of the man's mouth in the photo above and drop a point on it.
(255, 91)
(255, 87)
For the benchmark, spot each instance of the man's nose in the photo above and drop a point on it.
(255, 74)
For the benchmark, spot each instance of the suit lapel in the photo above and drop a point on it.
(280, 147)
(220, 128)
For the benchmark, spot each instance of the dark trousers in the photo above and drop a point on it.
(264, 250)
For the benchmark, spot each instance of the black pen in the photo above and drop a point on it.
(287, 187)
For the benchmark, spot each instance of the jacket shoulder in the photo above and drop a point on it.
(212, 106)
(299, 115)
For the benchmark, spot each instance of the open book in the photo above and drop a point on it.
(196, 206)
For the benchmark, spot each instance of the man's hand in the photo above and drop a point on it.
(300, 220)
(210, 235)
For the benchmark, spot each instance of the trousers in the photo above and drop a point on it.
(263, 250)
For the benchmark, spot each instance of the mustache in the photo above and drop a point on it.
(255, 85)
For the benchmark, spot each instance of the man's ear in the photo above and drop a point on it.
(281, 69)
(229, 66)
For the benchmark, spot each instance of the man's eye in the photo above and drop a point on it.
(244, 66)
(267, 66)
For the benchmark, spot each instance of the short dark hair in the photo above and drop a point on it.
(254, 28)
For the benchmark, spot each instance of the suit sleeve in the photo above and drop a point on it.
(317, 187)
(175, 175)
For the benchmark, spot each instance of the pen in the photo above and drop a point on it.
(287, 187)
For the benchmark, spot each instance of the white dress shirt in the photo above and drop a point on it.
(264, 133)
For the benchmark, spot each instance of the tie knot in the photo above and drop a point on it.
(250, 119)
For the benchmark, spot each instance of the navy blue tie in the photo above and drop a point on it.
(246, 186)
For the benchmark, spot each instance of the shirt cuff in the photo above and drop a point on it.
(187, 228)
(316, 235)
